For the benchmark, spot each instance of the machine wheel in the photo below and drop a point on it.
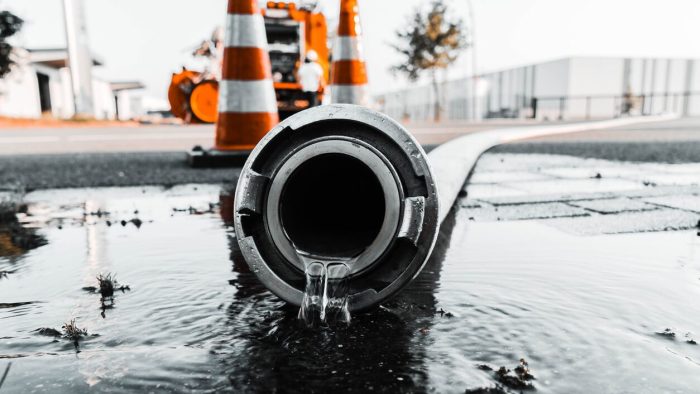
(204, 101)
(178, 92)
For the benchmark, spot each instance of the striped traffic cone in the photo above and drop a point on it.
(247, 101)
(349, 73)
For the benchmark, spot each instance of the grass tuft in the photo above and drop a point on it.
(108, 285)
(73, 332)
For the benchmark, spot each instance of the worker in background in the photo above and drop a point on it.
(212, 49)
(310, 76)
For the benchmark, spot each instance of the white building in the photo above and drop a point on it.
(570, 88)
(40, 85)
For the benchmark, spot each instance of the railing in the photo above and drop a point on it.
(583, 107)
(602, 106)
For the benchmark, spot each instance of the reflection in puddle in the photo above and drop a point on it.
(15, 240)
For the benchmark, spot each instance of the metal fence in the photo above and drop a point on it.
(550, 107)
(588, 107)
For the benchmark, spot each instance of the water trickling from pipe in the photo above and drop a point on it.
(325, 299)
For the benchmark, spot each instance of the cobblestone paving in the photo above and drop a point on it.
(585, 196)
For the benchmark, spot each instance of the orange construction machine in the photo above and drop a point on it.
(194, 96)
(291, 33)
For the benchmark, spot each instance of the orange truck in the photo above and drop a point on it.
(291, 33)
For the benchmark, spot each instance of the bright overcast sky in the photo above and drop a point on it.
(146, 40)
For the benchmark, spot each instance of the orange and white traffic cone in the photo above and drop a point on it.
(247, 102)
(349, 72)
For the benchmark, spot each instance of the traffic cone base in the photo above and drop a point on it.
(247, 125)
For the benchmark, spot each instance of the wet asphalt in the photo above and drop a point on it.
(675, 141)
(35, 172)
(107, 169)
(649, 152)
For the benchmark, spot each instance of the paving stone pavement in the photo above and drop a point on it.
(584, 196)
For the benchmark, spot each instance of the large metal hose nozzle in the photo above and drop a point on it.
(337, 183)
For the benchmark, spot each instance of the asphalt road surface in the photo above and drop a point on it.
(19, 141)
(40, 158)
(171, 138)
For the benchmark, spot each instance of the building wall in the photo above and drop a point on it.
(20, 98)
(68, 107)
(692, 107)
(572, 88)
(593, 85)
(552, 81)
(125, 105)
(57, 88)
(103, 100)
(19, 94)
(130, 104)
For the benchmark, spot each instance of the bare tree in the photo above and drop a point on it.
(9, 25)
(431, 42)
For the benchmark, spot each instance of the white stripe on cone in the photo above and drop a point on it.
(247, 96)
(355, 94)
(348, 48)
(245, 31)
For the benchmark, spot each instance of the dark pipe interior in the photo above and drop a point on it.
(332, 205)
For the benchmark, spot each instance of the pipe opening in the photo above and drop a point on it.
(332, 205)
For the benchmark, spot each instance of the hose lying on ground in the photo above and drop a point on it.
(343, 183)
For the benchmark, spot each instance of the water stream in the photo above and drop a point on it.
(326, 293)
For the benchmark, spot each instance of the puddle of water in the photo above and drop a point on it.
(584, 311)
